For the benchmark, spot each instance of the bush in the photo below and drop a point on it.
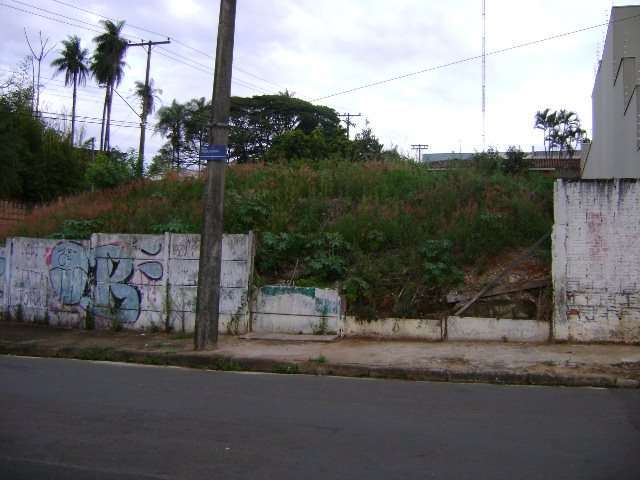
(515, 161)
(110, 170)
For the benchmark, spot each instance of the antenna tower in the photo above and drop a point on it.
(484, 75)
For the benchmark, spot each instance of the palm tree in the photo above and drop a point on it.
(108, 69)
(73, 61)
(147, 95)
(172, 122)
(150, 94)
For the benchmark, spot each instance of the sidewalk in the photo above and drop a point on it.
(503, 363)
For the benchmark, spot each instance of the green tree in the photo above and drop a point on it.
(147, 93)
(561, 131)
(110, 169)
(38, 162)
(366, 146)
(73, 62)
(258, 120)
(108, 69)
(515, 161)
(172, 122)
(198, 115)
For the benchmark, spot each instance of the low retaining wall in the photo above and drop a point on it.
(394, 328)
(134, 281)
(296, 310)
(497, 329)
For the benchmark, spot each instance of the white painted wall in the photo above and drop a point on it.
(394, 328)
(615, 150)
(296, 310)
(596, 261)
(496, 329)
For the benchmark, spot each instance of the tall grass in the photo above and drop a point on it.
(360, 225)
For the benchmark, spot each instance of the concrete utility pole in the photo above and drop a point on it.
(215, 153)
(145, 102)
(419, 147)
(348, 121)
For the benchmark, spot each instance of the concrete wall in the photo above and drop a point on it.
(497, 329)
(137, 281)
(596, 261)
(296, 310)
(394, 328)
(615, 149)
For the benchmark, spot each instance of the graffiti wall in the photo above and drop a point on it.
(128, 281)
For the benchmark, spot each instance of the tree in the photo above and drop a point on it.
(257, 121)
(73, 62)
(366, 146)
(110, 169)
(38, 163)
(172, 121)
(149, 93)
(37, 58)
(561, 130)
(108, 69)
(567, 132)
(515, 161)
(196, 124)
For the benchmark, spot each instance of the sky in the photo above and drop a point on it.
(318, 48)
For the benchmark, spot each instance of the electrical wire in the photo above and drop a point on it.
(468, 59)
(179, 42)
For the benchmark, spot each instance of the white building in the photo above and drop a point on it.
(615, 148)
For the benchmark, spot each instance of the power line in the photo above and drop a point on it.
(48, 18)
(210, 73)
(469, 59)
(179, 42)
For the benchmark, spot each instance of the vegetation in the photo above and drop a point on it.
(107, 67)
(561, 130)
(73, 62)
(393, 236)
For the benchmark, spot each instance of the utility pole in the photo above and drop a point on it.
(419, 147)
(215, 154)
(348, 121)
(145, 102)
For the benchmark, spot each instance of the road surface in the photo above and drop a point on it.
(68, 419)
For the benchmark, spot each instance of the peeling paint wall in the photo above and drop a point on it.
(283, 309)
(135, 281)
(596, 261)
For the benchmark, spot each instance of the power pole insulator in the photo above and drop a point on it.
(419, 147)
(348, 121)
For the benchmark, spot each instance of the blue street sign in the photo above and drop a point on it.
(213, 153)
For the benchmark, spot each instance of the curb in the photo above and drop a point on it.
(213, 361)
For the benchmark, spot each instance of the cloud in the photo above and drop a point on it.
(318, 48)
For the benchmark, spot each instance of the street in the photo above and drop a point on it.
(68, 419)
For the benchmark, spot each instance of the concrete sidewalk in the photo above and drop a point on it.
(505, 363)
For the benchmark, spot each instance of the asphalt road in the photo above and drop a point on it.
(66, 419)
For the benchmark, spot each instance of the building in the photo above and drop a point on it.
(567, 166)
(615, 148)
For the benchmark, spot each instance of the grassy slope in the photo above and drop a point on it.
(366, 227)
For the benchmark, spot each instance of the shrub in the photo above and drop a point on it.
(515, 161)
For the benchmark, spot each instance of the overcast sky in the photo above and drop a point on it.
(316, 48)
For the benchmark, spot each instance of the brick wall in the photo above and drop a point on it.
(596, 260)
